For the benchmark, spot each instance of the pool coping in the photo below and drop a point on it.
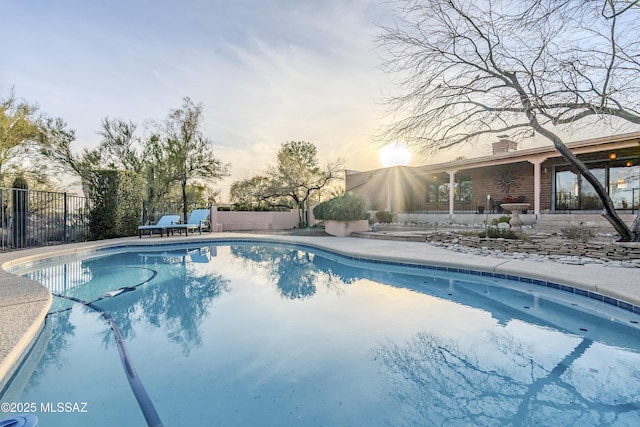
(24, 303)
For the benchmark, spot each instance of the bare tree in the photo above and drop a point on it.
(441, 381)
(472, 68)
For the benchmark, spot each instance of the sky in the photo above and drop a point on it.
(265, 71)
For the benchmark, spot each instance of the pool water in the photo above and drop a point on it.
(268, 335)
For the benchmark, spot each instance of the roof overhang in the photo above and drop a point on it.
(533, 155)
(539, 154)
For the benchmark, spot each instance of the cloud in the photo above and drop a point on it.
(266, 72)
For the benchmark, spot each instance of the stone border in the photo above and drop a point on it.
(569, 252)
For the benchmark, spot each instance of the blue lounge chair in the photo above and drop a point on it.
(195, 255)
(163, 225)
(197, 221)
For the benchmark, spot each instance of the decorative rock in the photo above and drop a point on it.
(537, 249)
(614, 264)
(570, 260)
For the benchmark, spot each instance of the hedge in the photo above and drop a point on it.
(347, 207)
(116, 204)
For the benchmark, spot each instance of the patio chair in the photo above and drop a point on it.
(200, 255)
(197, 255)
(197, 221)
(163, 225)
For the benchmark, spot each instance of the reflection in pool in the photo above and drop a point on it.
(278, 335)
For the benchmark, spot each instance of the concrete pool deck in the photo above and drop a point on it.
(24, 303)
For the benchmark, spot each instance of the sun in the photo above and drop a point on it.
(394, 155)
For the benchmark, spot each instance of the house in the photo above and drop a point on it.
(538, 176)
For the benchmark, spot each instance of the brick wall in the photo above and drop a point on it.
(408, 186)
(486, 181)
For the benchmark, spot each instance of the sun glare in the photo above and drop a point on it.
(394, 155)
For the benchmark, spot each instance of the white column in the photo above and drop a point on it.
(537, 178)
(388, 194)
(452, 182)
(536, 188)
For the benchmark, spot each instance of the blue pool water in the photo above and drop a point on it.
(272, 335)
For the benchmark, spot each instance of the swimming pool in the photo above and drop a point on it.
(248, 334)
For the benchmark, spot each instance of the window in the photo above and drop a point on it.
(438, 193)
(589, 199)
(566, 190)
(624, 184)
(621, 179)
(463, 190)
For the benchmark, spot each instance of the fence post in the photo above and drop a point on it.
(5, 218)
(20, 210)
(65, 213)
(144, 212)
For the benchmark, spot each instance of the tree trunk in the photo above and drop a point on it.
(609, 212)
(300, 206)
(635, 229)
(184, 200)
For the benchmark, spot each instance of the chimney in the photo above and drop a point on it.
(504, 145)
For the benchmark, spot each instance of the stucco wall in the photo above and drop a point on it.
(244, 221)
(345, 228)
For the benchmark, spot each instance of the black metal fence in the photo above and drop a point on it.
(30, 218)
(443, 207)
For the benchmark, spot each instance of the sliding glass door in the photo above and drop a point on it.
(574, 192)
(624, 184)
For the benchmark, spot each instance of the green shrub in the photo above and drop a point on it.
(117, 203)
(495, 233)
(503, 218)
(384, 217)
(347, 207)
